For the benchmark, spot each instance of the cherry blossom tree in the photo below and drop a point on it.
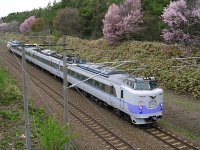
(122, 20)
(26, 24)
(3, 26)
(13, 26)
(182, 22)
(112, 18)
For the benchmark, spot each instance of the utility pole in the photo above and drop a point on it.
(65, 91)
(27, 129)
(49, 36)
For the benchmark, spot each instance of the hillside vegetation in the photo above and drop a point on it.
(153, 56)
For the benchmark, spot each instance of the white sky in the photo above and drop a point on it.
(11, 6)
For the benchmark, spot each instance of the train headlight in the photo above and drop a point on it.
(161, 106)
(140, 107)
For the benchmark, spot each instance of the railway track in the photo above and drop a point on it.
(170, 140)
(108, 135)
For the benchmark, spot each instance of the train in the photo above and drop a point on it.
(138, 98)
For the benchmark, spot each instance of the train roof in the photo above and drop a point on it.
(114, 74)
(13, 42)
(48, 52)
(101, 69)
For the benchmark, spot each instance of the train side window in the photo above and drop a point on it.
(48, 62)
(110, 89)
(96, 83)
(19, 49)
(102, 86)
(72, 73)
(90, 81)
(37, 57)
(83, 77)
(78, 76)
(27, 53)
(43, 60)
(113, 91)
(107, 89)
(68, 71)
(122, 94)
(56, 66)
(61, 69)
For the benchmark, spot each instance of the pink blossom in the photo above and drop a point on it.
(122, 20)
(181, 21)
(26, 24)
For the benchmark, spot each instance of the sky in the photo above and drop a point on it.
(11, 6)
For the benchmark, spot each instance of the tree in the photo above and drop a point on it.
(120, 21)
(117, 2)
(92, 13)
(37, 25)
(10, 27)
(182, 22)
(68, 22)
(154, 7)
(3, 26)
(26, 24)
(112, 18)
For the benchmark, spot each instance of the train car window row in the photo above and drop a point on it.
(41, 59)
(27, 53)
(19, 49)
(54, 65)
(104, 87)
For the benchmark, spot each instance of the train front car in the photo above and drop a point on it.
(143, 98)
(12, 43)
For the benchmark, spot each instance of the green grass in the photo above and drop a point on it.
(9, 92)
(181, 130)
(12, 124)
(52, 134)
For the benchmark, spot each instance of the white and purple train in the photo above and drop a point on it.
(136, 97)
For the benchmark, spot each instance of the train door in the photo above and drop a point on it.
(121, 98)
(61, 69)
(57, 64)
(111, 92)
(55, 68)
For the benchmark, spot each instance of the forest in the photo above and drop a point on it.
(174, 21)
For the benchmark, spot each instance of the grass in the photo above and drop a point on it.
(181, 130)
(12, 124)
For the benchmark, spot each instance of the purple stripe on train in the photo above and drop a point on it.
(143, 109)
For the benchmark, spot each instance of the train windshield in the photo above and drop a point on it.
(142, 86)
(145, 85)
(141, 83)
